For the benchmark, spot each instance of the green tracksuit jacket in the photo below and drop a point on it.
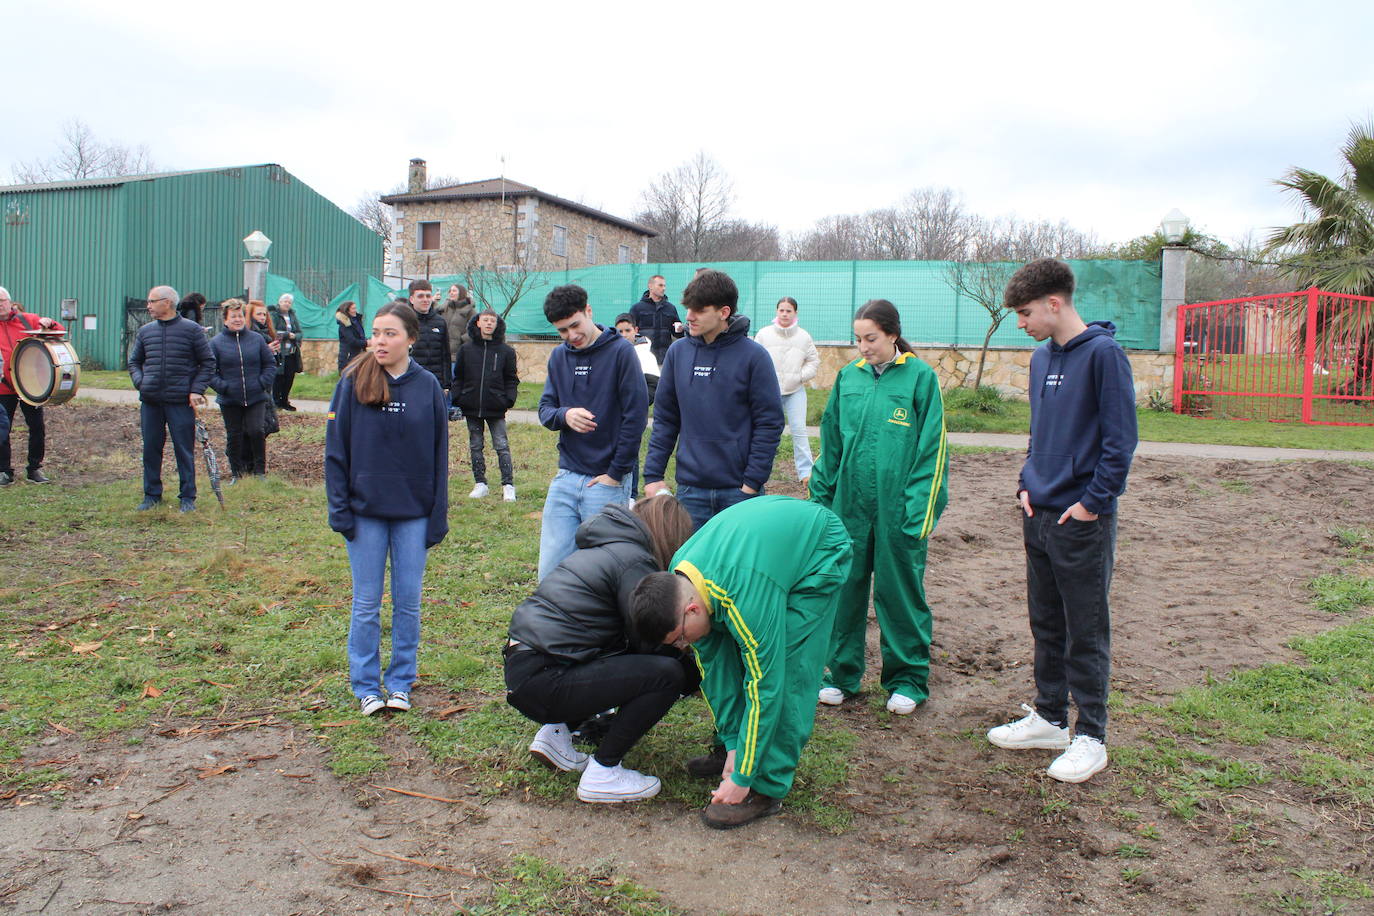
(770, 568)
(882, 468)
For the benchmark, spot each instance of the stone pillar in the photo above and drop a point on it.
(255, 278)
(418, 177)
(1172, 292)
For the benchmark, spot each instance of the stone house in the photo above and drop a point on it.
(502, 224)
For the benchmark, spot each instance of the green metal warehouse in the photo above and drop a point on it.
(103, 241)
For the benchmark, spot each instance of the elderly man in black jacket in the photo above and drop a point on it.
(571, 654)
(170, 366)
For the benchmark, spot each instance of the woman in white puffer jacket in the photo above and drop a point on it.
(796, 361)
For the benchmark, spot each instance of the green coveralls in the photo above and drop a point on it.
(771, 569)
(882, 468)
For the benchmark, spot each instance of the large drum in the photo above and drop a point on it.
(45, 369)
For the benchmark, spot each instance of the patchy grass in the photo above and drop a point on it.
(533, 885)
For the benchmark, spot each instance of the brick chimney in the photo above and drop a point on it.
(419, 177)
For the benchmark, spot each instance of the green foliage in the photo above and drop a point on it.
(1150, 246)
(1342, 594)
(987, 401)
(533, 885)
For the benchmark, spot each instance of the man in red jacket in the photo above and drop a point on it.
(13, 327)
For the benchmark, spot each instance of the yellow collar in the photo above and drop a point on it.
(698, 581)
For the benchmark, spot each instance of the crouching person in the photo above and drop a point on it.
(754, 591)
(571, 655)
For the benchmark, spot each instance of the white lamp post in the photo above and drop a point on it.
(1173, 287)
(255, 265)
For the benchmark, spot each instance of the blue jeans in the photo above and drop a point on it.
(794, 408)
(1068, 577)
(569, 503)
(701, 502)
(156, 418)
(373, 540)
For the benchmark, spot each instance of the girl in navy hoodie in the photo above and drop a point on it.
(386, 475)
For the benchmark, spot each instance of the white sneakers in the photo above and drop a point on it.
(900, 705)
(610, 785)
(371, 704)
(553, 747)
(479, 492)
(1030, 732)
(1084, 757)
(508, 492)
(831, 696)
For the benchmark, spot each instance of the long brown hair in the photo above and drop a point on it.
(884, 315)
(369, 378)
(669, 525)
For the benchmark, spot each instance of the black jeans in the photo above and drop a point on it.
(286, 376)
(245, 439)
(1068, 576)
(38, 439)
(645, 687)
(499, 441)
(156, 419)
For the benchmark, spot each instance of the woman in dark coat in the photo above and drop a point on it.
(570, 654)
(243, 376)
(352, 337)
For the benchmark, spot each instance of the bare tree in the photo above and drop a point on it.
(377, 216)
(496, 272)
(983, 282)
(689, 208)
(80, 154)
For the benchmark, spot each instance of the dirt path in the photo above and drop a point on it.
(1213, 562)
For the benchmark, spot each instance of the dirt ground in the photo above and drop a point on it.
(1211, 574)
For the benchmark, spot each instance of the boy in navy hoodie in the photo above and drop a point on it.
(595, 397)
(717, 402)
(1083, 435)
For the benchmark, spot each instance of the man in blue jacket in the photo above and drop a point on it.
(170, 366)
(717, 403)
(595, 397)
(1083, 436)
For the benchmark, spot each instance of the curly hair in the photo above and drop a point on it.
(1038, 279)
(564, 301)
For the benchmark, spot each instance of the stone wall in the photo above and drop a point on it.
(543, 216)
(1009, 370)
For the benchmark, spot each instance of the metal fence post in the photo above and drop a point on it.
(1309, 354)
(1180, 352)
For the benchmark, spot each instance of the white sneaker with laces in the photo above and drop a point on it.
(1084, 757)
(553, 747)
(900, 705)
(507, 492)
(399, 700)
(831, 696)
(1030, 732)
(609, 785)
(372, 704)
(479, 492)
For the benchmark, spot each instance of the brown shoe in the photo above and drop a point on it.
(727, 817)
(708, 766)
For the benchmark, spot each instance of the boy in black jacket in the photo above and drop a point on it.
(485, 385)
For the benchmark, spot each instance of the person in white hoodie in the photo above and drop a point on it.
(796, 361)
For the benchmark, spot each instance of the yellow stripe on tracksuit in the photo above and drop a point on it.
(931, 515)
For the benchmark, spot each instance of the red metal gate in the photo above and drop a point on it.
(1305, 357)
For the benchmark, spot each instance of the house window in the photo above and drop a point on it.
(560, 241)
(429, 236)
(591, 250)
(623, 255)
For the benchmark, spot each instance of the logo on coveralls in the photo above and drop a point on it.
(898, 416)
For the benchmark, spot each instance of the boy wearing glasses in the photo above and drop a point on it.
(754, 592)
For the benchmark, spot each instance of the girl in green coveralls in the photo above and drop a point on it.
(882, 470)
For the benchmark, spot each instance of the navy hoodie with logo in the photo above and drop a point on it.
(604, 377)
(1083, 422)
(719, 403)
(389, 462)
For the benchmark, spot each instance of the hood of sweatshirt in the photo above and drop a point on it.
(497, 336)
(708, 354)
(608, 336)
(611, 525)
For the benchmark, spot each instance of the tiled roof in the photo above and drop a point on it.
(505, 187)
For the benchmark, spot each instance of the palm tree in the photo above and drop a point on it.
(1333, 247)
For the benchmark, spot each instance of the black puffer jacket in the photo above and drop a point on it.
(431, 350)
(580, 611)
(655, 321)
(352, 338)
(485, 383)
(244, 368)
(171, 361)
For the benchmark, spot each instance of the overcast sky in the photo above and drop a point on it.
(1075, 111)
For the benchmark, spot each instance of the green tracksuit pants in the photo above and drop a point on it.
(895, 564)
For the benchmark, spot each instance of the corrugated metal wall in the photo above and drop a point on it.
(102, 244)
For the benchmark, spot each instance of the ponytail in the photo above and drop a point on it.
(884, 314)
(370, 382)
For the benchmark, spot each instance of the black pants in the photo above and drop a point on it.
(499, 441)
(645, 687)
(286, 377)
(1068, 576)
(38, 438)
(245, 439)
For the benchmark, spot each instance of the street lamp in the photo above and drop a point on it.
(1175, 226)
(257, 244)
